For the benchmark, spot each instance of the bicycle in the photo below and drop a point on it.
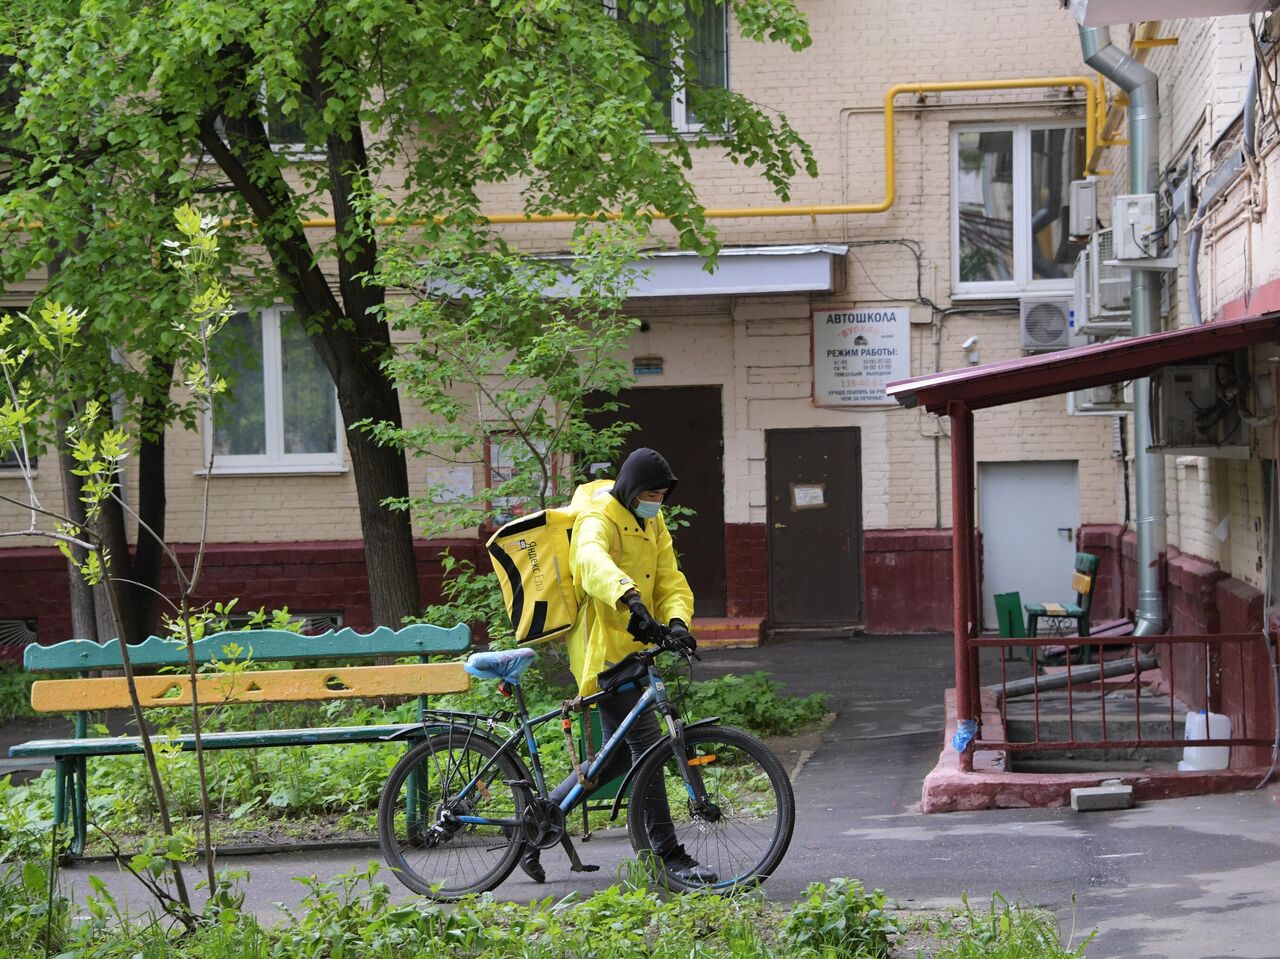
(459, 806)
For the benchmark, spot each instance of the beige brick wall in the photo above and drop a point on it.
(1216, 508)
(757, 348)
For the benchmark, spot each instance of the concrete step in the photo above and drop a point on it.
(1079, 718)
(728, 632)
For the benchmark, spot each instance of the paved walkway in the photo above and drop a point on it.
(1178, 879)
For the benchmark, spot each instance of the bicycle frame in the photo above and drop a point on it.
(654, 697)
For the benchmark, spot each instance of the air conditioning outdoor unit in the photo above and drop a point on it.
(1200, 410)
(1108, 285)
(1045, 322)
(1112, 400)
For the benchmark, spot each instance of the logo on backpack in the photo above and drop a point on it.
(531, 558)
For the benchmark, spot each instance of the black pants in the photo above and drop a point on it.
(644, 732)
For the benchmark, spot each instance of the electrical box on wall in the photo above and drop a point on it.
(1083, 207)
(1201, 409)
(1133, 221)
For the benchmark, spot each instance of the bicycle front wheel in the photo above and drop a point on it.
(743, 832)
(426, 815)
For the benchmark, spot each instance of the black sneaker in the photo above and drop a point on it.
(686, 869)
(531, 863)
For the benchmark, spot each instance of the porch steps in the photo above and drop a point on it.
(728, 632)
(1080, 718)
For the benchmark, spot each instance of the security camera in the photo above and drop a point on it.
(970, 343)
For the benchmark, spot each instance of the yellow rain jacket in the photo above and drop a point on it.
(610, 554)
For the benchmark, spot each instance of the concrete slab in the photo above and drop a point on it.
(1112, 794)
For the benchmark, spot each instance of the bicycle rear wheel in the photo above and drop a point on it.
(744, 834)
(425, 845)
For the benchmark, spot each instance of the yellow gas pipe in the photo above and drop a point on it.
(1093, 115)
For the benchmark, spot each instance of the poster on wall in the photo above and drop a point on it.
(857, 352)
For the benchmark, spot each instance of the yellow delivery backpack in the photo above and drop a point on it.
(531, 557)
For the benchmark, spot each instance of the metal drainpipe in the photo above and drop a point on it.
(1144, 176)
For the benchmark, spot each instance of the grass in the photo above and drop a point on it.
(355, 915)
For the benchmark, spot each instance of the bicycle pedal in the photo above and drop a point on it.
(584, 867)
(517, 782)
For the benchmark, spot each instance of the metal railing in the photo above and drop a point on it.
(1160, 680)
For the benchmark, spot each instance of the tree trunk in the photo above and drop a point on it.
(152, 504)
(381, 473)
(118, 566)
(350, 339)
(84, 621)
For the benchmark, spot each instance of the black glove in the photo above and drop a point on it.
(679, 637)
(642, 625)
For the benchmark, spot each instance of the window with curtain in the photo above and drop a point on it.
(706, 60)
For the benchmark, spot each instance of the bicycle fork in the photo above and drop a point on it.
(702, 806)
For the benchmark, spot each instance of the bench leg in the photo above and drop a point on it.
(80, 807)
(60, 773)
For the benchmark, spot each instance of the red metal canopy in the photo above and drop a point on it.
(995, 384)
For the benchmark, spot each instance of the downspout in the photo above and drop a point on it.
(1144, 176)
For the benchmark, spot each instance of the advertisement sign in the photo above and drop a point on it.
(857, 352)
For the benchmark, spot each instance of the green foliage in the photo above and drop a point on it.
(754, 702)
(354, 914)
(15, 691)
(1005, 931)
(504, 370)
(843, 919)
(32, 922)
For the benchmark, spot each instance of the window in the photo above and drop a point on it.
(706, 64)
(9, 461)
(506, 459)
(288, 134)
(1009, 207)
(279, 412)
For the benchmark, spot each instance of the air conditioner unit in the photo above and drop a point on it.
(1045, 322)
(1114, 399)
(1200, 410)
(1109, 288)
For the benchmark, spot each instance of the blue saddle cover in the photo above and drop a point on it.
(505, 664)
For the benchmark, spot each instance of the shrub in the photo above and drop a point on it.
(842, 917)
(755, 703)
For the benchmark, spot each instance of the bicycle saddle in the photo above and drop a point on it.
(505, 664)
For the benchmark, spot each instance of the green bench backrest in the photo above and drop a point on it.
(260, 645)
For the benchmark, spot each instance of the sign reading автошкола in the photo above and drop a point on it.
(857, 352)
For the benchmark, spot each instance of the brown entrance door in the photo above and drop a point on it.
(686, 425)
(814, 479)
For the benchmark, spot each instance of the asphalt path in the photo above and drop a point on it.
(1178, 879)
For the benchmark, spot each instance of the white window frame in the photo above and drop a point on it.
(680, 121)
(275, 459)
(1022, 281)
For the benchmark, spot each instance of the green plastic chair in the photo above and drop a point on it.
(1009, 616)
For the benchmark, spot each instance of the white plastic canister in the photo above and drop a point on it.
(1206, 725)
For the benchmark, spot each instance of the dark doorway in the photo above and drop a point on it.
(814, 480)
(686, 425)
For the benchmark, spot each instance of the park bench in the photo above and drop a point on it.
(246, 687)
